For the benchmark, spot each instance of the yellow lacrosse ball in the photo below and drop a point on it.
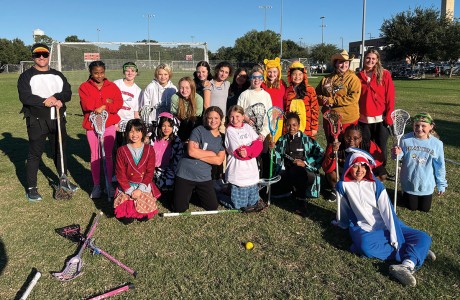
(249, 246)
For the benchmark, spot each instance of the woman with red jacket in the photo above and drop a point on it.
(377, 101)
(96, 95)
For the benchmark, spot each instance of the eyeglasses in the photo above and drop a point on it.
(254, 77)
(38, 54)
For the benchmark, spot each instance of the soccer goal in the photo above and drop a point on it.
(73, 56)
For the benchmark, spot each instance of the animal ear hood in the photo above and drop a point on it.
(273, 63)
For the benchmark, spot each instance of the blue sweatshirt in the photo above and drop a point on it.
(423, 166)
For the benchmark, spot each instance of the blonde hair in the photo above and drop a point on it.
(378, 65)
(165, 67)
(187, 111)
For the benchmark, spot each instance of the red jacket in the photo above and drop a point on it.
(329, 158)
(377, 100)
(91, 98)
(127, 171)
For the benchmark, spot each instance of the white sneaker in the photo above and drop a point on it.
(403, 274)
(96, 192)
(430, 255)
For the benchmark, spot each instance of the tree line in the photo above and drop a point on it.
(419, 34)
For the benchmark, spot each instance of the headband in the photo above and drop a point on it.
(423, 117)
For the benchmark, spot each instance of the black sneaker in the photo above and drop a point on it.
(33, 195)
(331, 196)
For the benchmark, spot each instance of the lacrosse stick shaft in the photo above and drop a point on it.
(61, 152)
(98, 250)
(196, 213)
(337, 198)
(396, 176)
(31, 286)
(108, 186)
(113, 292)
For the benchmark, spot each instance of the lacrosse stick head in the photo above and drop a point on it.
(399, 118)
(256, 113)
(71, 270)
(71, 232)
(334, 121)
(98, 121)
(274, 114)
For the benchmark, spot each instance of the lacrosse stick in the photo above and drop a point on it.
(73, 266)
(97, 250)
(399, 118)
(334, 120)
(31, 285)
(113, 292)
(274, 114)
(98, 121)
(63, 190)
(197, 213)
(256, 113)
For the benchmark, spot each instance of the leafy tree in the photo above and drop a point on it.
(73, 39)
(44, 39)
(255, 46)
(321, 53)
(293, 50)
(413, 34)
(224, 53)
(6, 51)
(12, 52)
(450, 39)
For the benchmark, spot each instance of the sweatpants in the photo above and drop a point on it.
(93, 141)
(376, 244)
(38, 130)
(182, 194)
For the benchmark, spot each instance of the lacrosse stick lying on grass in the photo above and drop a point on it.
(334, 120)
(399, 118)
(31, 285)
(113, 292)
(98, 121)
(262, 182)
(73, 266)
(97, 250)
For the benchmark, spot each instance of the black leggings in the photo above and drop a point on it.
(183, 189)
(422, 203)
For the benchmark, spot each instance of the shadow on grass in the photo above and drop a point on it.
(448, 131)
(3, 257)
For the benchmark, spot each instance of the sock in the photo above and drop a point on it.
(409, 263)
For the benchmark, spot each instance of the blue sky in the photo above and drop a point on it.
(219, 23)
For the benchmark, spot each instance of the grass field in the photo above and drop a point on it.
(202, 257)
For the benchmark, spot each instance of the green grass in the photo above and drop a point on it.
(203, 257)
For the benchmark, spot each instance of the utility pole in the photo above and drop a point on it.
(322, 29)
(148, 16)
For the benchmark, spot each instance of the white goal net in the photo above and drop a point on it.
(69, 56)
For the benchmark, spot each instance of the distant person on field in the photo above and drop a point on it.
(156, 97)
(96, 95)
(375, 230)
(41, 90)
(423, 166)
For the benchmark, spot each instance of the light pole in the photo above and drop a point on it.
(370, 35)
(193, 50)
(265, 14)
(361, 64)
(148, 16)
(322, 29)
(342, 41)
(98, 30)
(281, 31)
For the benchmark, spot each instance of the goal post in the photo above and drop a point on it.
(74, 56)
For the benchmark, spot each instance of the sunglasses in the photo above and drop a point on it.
(38, 54)
(254, 77)
(359, 164)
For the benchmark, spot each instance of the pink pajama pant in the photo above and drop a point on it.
(109, 141)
